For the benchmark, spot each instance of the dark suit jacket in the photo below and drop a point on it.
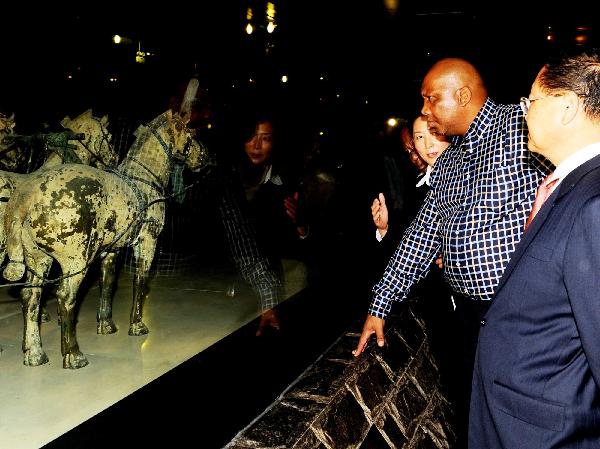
(537, 370)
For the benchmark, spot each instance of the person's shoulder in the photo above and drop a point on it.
(587, 177)
(511, 119)
(497, 117)
(588, 209)
(510, 111)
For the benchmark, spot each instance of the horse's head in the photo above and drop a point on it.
(96, 147)
(11, 157)
(185, 148)
(7, 125)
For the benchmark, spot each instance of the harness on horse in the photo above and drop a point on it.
(155, 184)
(105, 138)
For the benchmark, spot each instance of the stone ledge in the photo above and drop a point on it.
(388, 397)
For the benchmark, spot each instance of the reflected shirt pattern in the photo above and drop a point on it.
(482, 189)
(251, 263)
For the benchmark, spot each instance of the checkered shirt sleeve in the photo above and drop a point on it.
(252, 265)
(483, 187)
(417, 249)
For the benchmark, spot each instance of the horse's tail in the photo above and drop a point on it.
(2, 234)
(7, 186)
(14, 247)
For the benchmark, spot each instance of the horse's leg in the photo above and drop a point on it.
(106, 325)
(66, 294)
(34, 355)
(15, 269)
(44, 314)
(143, 254)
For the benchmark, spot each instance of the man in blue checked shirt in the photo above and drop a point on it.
(482, 189)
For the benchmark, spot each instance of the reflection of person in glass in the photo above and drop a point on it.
(260, 232)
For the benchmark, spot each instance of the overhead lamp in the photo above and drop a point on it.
(118, 39)
(270, 17)
(249, 27)
(140, 56)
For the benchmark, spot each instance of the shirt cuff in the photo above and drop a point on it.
(380, 309)
(268, 299)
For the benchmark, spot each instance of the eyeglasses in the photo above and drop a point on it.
(525, 103)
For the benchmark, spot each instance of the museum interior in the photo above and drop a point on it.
(335, 80)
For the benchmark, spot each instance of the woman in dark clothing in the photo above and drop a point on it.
(259, 229)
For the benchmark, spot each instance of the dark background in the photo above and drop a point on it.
(372, 56)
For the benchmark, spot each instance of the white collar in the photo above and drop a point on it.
(576, 159)
(275, 179)
(425, 178)
(267, 176)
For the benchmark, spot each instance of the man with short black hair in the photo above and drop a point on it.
(537, 369)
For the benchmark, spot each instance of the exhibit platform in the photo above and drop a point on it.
(199, 376)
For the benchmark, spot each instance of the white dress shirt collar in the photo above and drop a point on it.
(576, 159)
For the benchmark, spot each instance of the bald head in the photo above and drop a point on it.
(453, 93)
(460, 73)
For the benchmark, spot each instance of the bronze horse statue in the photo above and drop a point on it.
(74, 214)
(92, 147)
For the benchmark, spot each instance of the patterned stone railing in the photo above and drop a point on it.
(387, 398)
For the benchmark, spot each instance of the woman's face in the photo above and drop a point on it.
(428, 145)
(260, 145)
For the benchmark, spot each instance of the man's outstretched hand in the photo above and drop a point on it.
(373, 325)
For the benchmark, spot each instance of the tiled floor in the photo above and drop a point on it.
(185, 313)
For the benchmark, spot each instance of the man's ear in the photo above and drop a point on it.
(571, 106)
(463, 96)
